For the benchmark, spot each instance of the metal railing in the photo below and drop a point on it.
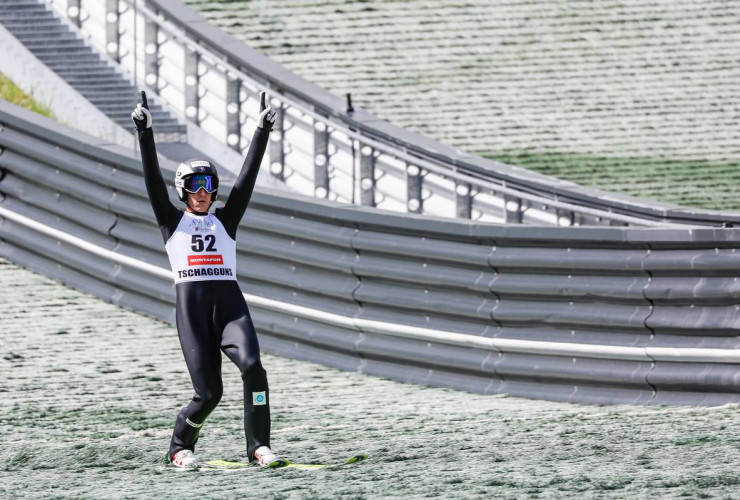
(601, 315)
(323, 149)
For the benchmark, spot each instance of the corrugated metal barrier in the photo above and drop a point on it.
(602, 315)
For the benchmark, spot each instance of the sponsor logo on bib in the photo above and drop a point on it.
(205, 260)
(205, 224)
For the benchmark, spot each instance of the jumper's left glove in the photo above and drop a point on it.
(267, 115)
(141, 116)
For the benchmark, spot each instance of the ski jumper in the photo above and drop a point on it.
(211, 313)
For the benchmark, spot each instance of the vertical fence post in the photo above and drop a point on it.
(414, 199)
(112, 37)
(192, 77)
(321, 159)
(151, 55)
(463, 200)
(512, 210)
(367, 176)
(73, 11)
(565, 217)
(277, 146)
(233, 112)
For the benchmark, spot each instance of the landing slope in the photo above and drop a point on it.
(90, 392)
(634, 96)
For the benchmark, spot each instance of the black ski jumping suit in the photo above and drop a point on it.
(211, 313)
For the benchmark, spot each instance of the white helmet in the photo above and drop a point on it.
(190, 168)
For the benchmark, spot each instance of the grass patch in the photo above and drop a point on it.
(696, 440)
(11, 93)
(711, 185)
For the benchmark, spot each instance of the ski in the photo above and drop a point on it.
(279, 464)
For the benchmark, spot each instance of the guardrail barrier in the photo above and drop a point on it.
(604, 315)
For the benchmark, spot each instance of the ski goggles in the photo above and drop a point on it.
(195, 183)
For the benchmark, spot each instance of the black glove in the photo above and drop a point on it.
(267, 114)
(141, 116)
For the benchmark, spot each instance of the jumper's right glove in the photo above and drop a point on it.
(141, 116)
(267, 115)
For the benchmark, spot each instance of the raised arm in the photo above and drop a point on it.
(164, 211)
(236, 204)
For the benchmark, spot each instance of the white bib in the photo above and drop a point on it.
(200, 249)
